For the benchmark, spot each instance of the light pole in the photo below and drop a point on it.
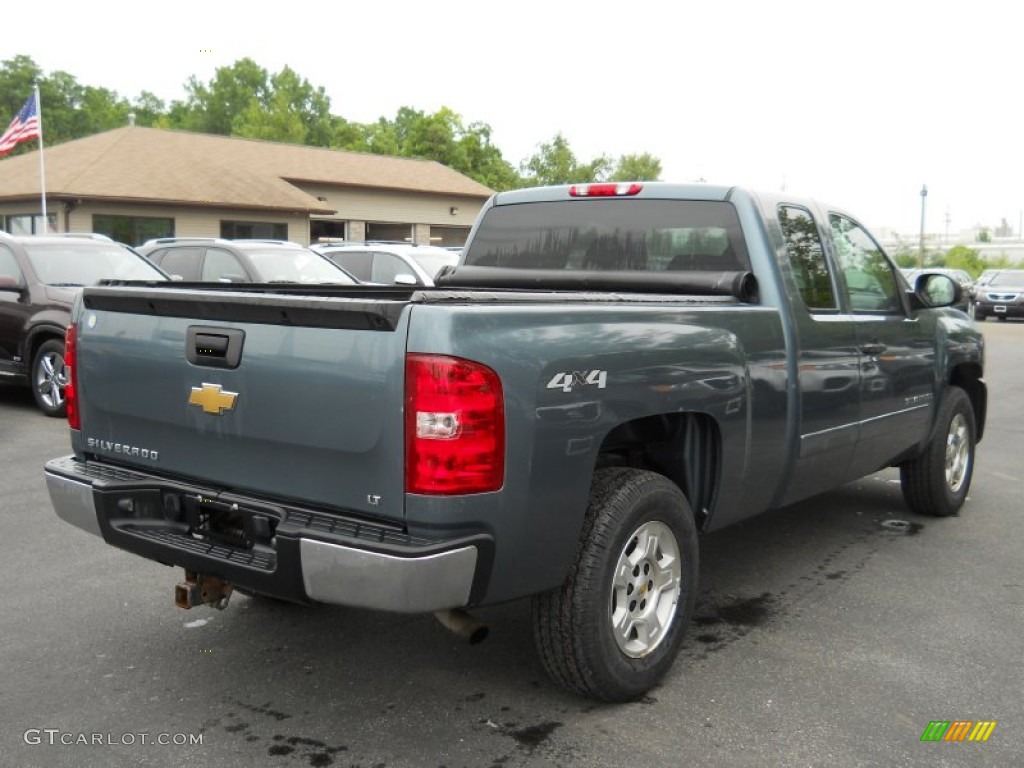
(920, 244)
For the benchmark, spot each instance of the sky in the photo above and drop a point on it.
(859, 104)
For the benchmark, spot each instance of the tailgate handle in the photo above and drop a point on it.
(214, 347)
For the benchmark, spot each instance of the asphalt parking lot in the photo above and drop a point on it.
(828, 633)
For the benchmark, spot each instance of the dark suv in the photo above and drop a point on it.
(39, 279)
(214, 260)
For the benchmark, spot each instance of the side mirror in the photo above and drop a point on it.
(405, 279)
(937, 290)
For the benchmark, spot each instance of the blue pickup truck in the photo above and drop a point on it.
(608, 372)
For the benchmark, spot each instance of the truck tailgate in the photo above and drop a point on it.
(294, 397)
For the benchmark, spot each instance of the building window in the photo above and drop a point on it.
(326, 230)
(448, 236)
(398, 233)
(30, 224)
(253, 230)
(133, 230)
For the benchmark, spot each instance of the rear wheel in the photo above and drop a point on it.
(614, 628)
(49, 378)
(937, 481)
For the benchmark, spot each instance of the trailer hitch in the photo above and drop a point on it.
(200, 589)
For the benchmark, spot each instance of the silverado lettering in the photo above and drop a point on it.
(127, 450)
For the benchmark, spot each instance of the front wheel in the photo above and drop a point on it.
(613, 629)
(49, 378)
(936, 482)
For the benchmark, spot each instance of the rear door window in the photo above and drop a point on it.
(183, 262)
(807, 258)
(359, 263)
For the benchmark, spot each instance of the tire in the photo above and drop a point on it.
(593, 633)
(1002, 318)
(48, 378)
(937, 481)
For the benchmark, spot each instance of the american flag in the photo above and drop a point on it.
(22, 128)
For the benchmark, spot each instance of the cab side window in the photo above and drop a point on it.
(871, 284)
(807, 258)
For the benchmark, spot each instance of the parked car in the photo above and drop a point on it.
(1002, 295)
(390, 263)
(39, 279)
(212, 260)
(961, 276)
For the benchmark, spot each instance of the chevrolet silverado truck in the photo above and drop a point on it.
(608, 372)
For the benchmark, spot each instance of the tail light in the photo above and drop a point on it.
(71, 388)
(605, 189)
(454, 426)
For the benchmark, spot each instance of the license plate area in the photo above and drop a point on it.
(228, 523)
(999, 308)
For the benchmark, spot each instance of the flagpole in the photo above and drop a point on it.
(42, 165)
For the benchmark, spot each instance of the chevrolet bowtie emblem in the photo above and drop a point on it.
(212, 399)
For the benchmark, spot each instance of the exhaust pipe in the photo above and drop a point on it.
(198, 589)
(462, 624)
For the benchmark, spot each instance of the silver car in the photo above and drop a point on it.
(390, 263)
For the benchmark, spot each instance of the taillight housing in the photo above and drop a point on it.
(454, 426)
(71, 388)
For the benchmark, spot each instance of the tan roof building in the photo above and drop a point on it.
(136, 183)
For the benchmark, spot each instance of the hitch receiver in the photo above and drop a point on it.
(199, 589)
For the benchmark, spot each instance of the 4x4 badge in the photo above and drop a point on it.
(212, 399)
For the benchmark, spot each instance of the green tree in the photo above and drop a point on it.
(906, 258)
(214, 107)
(965, 258)
(555, 163)
(148, 109)
(275, 121)
(69, 110)
(441, 136)
(484, 161)
(645, 167)
(244, 99)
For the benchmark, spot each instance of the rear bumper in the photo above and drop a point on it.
(277, 549)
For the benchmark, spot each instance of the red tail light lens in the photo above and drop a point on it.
(71, 388)
(454, 426)
(604, 190)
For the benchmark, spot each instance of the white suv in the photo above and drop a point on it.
(390, 263)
